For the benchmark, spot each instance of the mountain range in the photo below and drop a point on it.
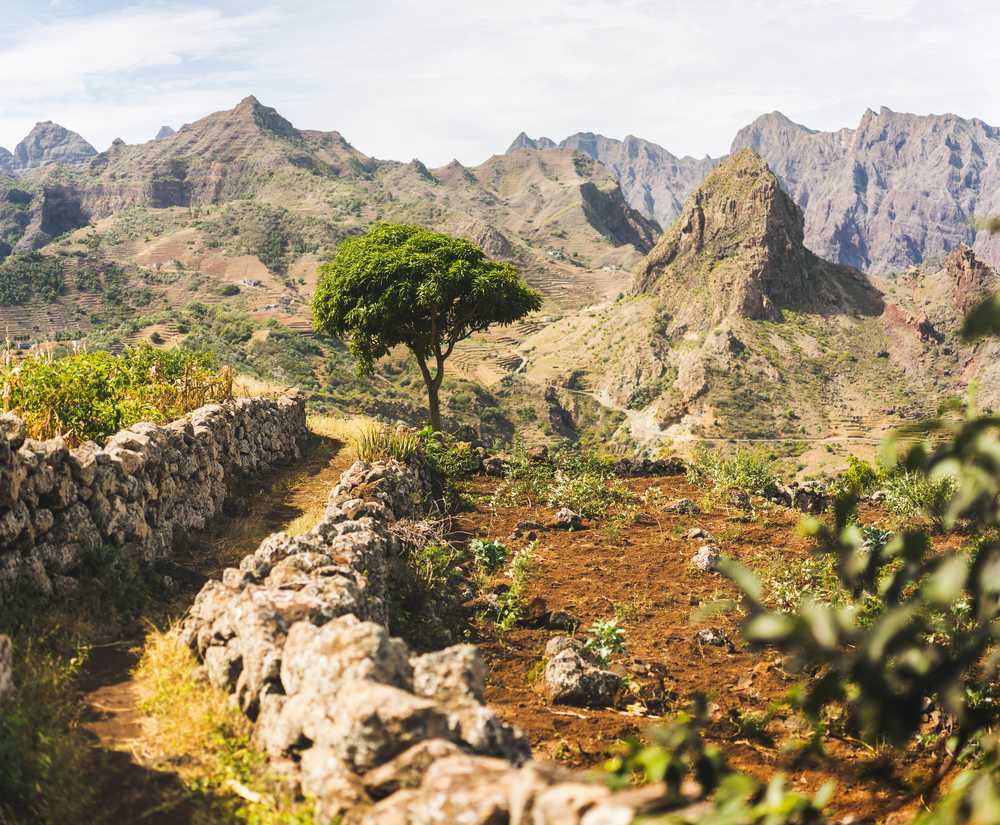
(808, 287)
(896, 191)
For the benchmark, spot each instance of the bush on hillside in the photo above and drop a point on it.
(89, 396)
(30, 277)
(747, 470)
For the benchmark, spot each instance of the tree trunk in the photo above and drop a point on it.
(434, 402)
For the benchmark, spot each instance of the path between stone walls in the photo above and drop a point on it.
(129, 791)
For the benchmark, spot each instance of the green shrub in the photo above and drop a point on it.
(452, 459)
(89, 396)
(578, 479)
(229, 290)
(490, 556)
(750, 471)
(511, 602)
(910, 494)
(605, 639)
(379, 442)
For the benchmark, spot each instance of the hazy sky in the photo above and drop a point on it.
(437, 79)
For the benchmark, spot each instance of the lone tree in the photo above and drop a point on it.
(401, 284)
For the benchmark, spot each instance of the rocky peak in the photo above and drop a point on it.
(739, 243)
(768, 130)
(6, 162)
(164, 133)
(48, 143)
(522, 141)
(264, 118)
(969, 279)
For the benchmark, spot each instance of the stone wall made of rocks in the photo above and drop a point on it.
(367, 728)
(147, 487)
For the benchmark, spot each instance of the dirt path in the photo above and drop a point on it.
(127, 790)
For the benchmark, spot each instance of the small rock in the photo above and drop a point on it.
(683, 506)
(566, 519)
(539, 453)
(714, 637)
(706, 558)
(493, 466)
(740, 499)
(697, 533)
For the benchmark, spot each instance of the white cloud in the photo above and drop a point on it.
(438, 79)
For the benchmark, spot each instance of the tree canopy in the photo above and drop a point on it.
(402, 284)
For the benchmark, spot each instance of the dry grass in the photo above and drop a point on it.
(195, 728)
(247, 386)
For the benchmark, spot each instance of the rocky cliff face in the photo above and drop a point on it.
(6, 162)
(895, 191)
(739, 244)
(49, 143)
(654, 181)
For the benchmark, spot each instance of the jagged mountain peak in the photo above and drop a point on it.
(264, 117)
(164, 133)
(522, 141)
(48, 142)
(739, 242)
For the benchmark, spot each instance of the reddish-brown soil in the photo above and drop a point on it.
(644, 575)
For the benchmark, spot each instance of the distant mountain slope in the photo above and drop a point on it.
(240, 207)
(6, 162)
(49, 142)
(653, 180)
(897, 190)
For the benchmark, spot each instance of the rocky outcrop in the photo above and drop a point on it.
(164, 133)
(142, 491)
(896, 190)
(6, 162)
(372, 732)
(522, 141)
(969, 279)
(607, 211)
(573, 677)
(49, 143)
(739, 244)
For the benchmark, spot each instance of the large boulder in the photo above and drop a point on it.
(572, 677)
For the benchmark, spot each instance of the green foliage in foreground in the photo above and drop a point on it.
(899, 627)
(933, 642)
(92, 395)
(404, 285)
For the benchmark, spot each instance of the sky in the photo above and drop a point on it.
(443, 79)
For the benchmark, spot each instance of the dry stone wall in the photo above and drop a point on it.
(373, 732)
(143, 490)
